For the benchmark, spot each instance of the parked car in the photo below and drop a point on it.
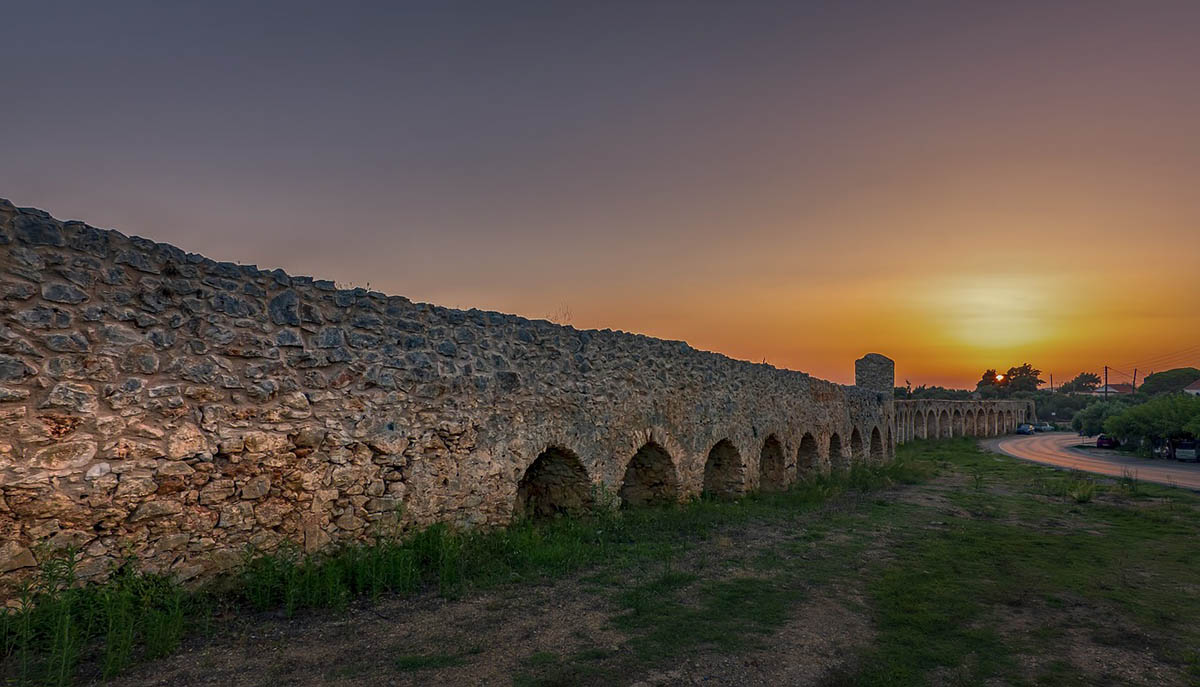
(1187, 449)
(1025, 428)
(1105, 441)
(1043, 427)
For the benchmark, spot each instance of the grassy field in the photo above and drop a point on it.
(950, 566)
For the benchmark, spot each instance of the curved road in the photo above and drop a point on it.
(1057, 449)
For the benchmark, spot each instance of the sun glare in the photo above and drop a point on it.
(991, 313)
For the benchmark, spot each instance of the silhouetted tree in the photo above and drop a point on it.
(988, 380)
(1023, 378)
(1083, 383)
(1170, 381)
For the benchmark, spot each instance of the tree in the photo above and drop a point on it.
(1023, 378)
(1084, 382)
(989, 379)
(1170, 417)
(1170, 381)
(1091, 419)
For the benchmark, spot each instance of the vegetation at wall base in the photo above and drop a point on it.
(61, 631)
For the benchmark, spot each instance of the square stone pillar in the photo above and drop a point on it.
(875, 372)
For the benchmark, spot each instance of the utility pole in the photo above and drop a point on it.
(1135, 380)
(1106, 382)
(1051, 382)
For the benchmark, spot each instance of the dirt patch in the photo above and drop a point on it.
(483, 638)
(1094, 640)
(824, 634)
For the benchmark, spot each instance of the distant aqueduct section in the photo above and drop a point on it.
(159, 404)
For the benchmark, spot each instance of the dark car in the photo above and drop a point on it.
(1187, 449)
(1105, 441)
(1043, 427)
(1025, 428)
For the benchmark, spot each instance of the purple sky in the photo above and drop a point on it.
(757, 178)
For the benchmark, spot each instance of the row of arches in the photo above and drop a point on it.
(933, 423)
(557, 483)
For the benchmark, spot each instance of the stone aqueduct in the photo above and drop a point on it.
(933, 419)
(162, 405)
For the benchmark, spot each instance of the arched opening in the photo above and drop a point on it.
(772, 473)
(944, 425)
(969, 423)
(1008, 421)
(724, 472)
(857, 450)
(959, 430)
(650, 478)
(918, 420)
(991, 422)
(837, 455)
(554, 484)
(933, 425)
(808, 458)
(877, 454)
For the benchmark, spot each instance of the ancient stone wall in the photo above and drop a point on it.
(934, 419)
(161, 405)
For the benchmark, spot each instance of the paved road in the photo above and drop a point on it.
(1057, 448)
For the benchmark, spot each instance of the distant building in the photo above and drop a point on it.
(1193, 388)
(1114, 390)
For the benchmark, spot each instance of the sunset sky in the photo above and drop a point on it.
(955, 185)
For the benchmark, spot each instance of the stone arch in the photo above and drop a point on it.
(650, 478)
(772, 466)
(944, 425)
(877, 451)
(933, 424)
(919, 426)
(808, 457)
(969, 422)
(957, 423)
(858, 452)
(837, 453)
(724, 471)
(555, 483)
(991, 424)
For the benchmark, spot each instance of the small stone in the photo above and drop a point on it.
(8, 394)
(156, 509)
(98, 470)
(63, 293)
(13, 369)
(186, 442)
(38, 231)
(65, 454)
(285, 308)
(288, 337)
(257, 487)
(174, 468)
(13, 556)
(330, 337)
(67, 343)
(74, 396)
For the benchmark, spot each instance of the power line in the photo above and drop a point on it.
(1189, 354)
